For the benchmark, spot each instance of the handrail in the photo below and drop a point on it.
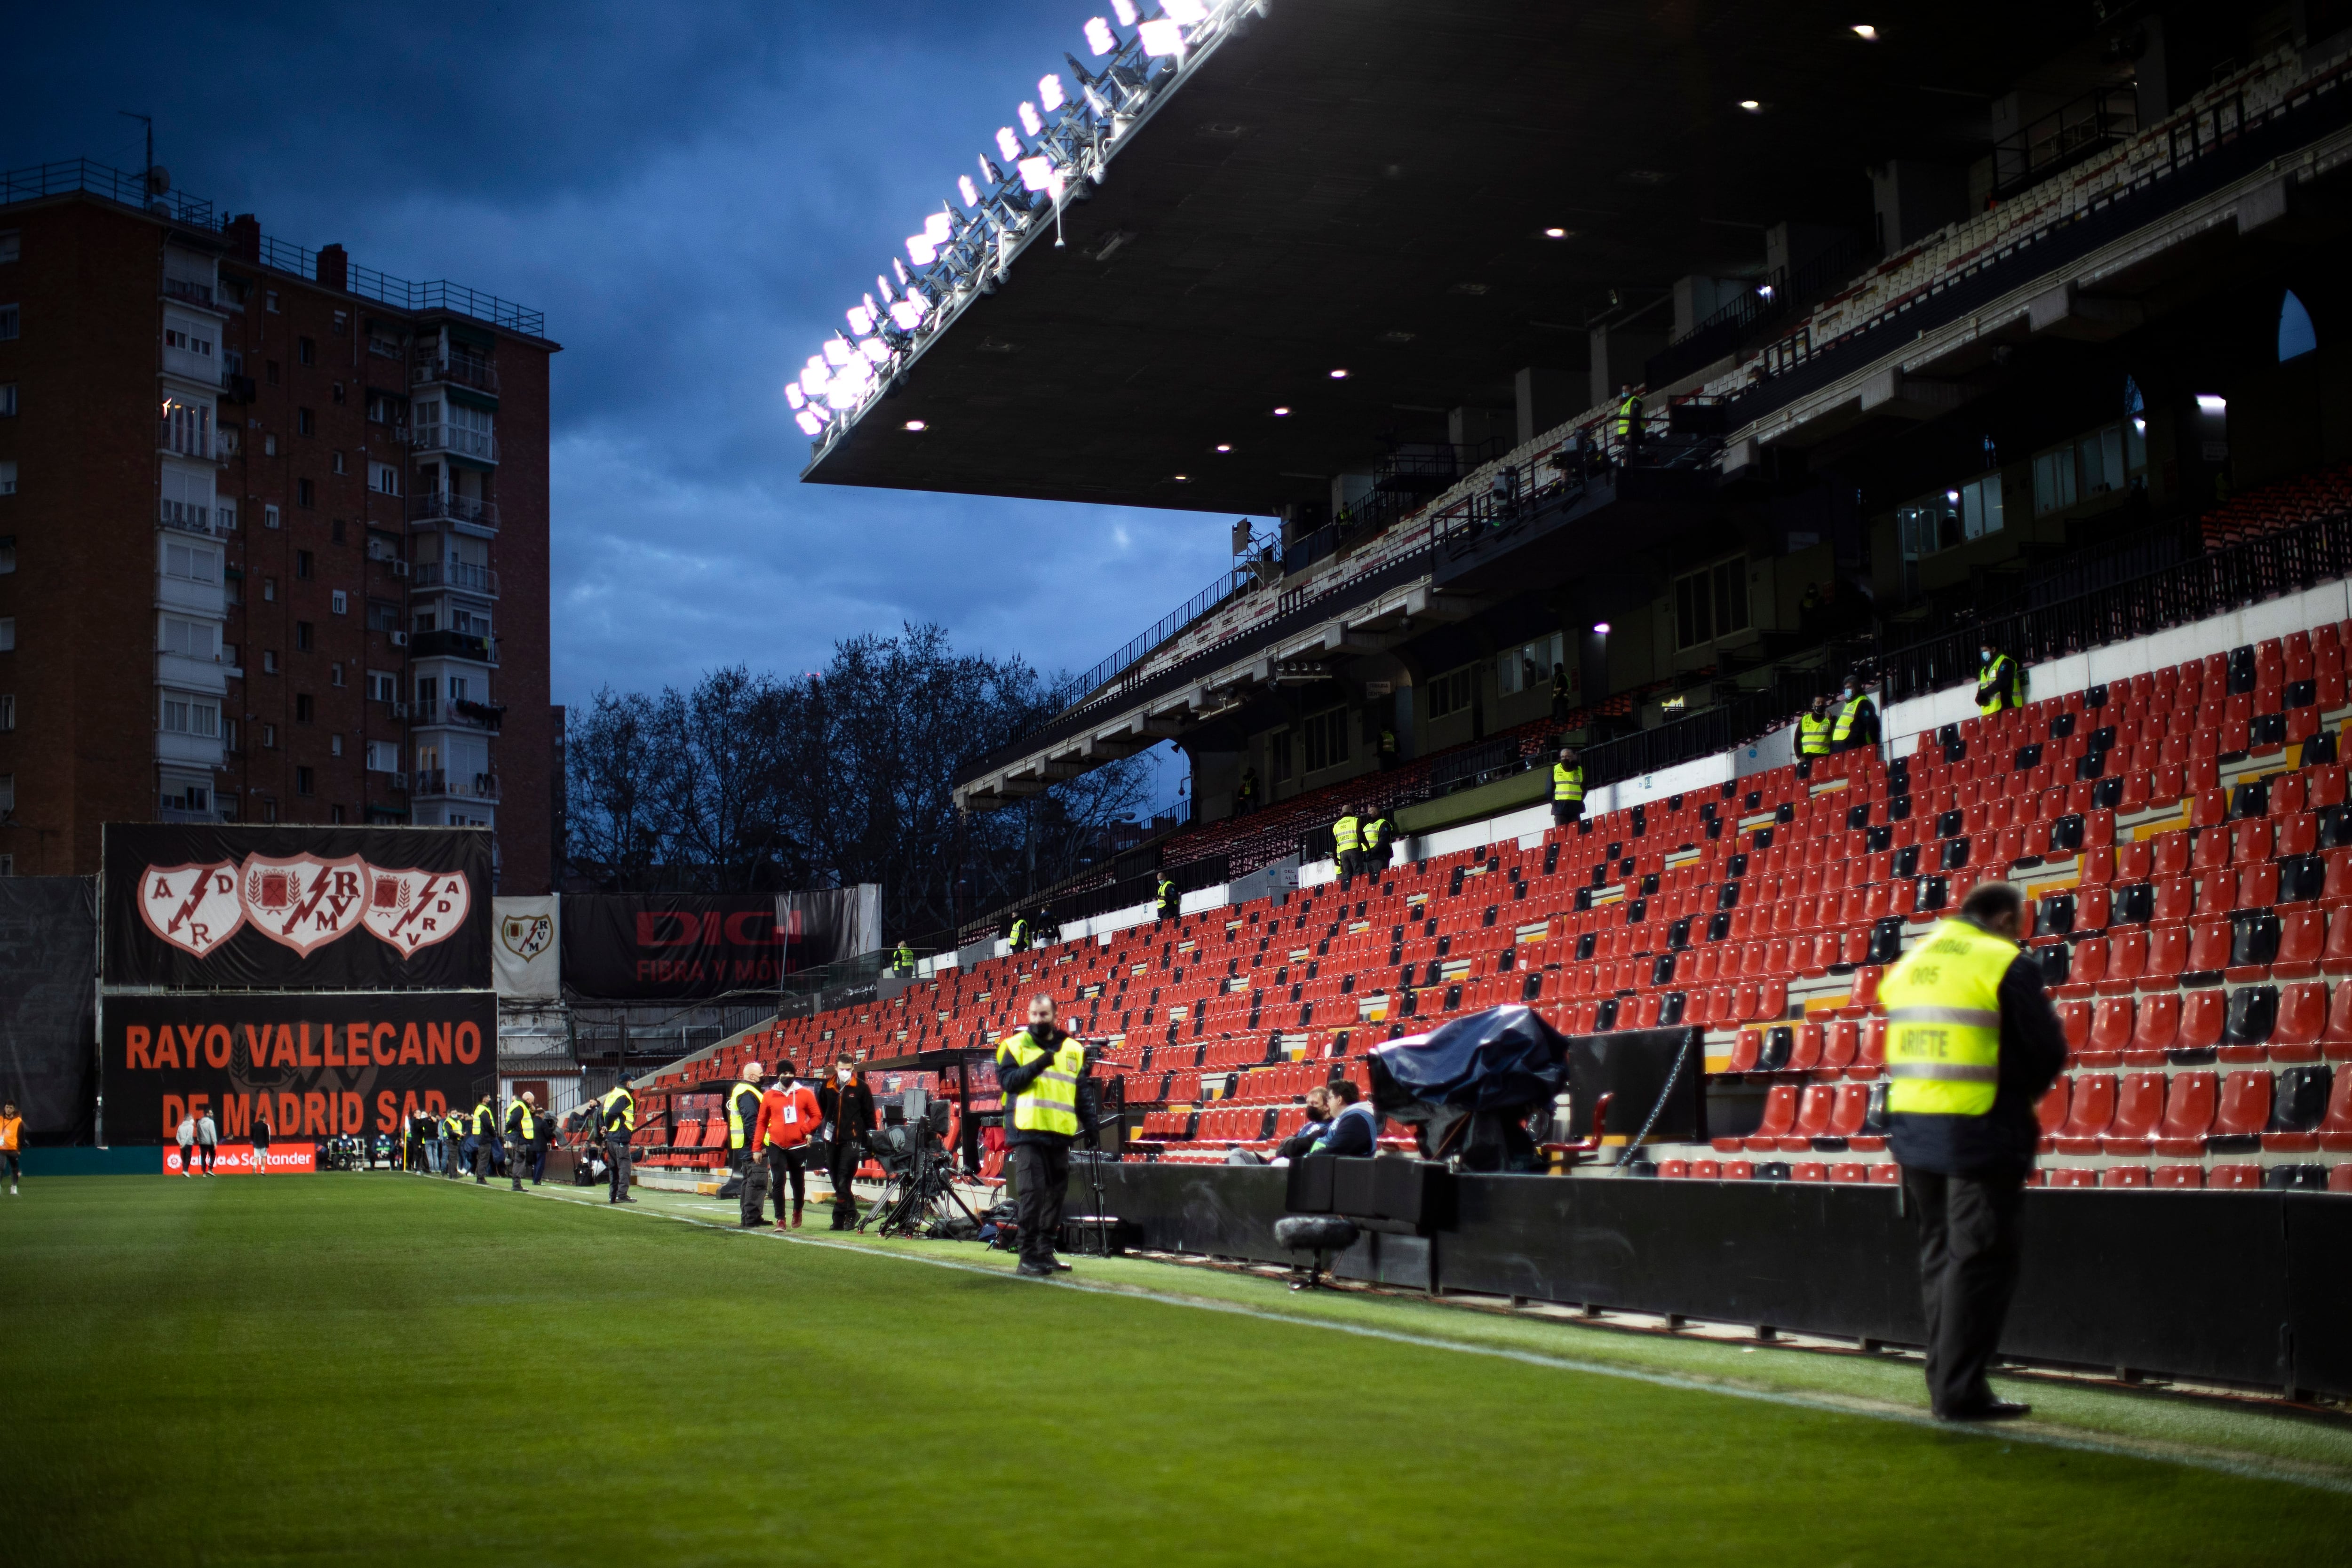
(1165, 629)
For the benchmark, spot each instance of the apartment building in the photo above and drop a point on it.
(273, 534)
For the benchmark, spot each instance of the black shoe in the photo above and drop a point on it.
(1990, 1410)
(1031, 1271)
(481, 1181)
(1059, 1267)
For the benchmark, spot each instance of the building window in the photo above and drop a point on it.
(336, 392)
(2296, 336)
(2104, 461)
(338, 602)
(190, 640)
(305, 494)
(383, 479)
(7, 321)
(304, 564)
(7, 554)
(1528, 666)
(301, 636)
(334, 745)
(305, 708)
(383, 757)
(338, 463)
(7, 633)
(269, 736)
(305, 780)
(269, 589)
(383, 615)
(335, 530)
(269, 515)
(306, 350)
(8, 478)
(382, 686)
(224, 515)
(7, 710)
(186, 334)
(7, 794)
(270, 304)
(1711, 604)
(11, 244)
(8, 400)
(187, 797)
(189, 715)
(335, 673)
(191, 563)
(270, 366)
(1327, 740)
(305, 424)
(269, 661)
(1277, 747)
(1449, 693)
(335, 813)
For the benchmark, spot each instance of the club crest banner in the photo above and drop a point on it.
(526, 947)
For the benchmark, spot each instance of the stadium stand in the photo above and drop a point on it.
(2184, 837)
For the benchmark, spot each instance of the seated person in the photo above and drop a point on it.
(1318, 1121)
(1355, 1129)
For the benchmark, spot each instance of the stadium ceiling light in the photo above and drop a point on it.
(1183, 478)
(1190, 13)
(808, 421)
(794, 397)
(1281, 414)
(1865, 32)
(1602, 627)
(1338, 376)
(1752, 106)
(2209, 404)
(916, 424)
(1224, 445)
(1557, 233)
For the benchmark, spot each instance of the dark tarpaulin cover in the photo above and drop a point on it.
(1505, 1059)
(48, 992)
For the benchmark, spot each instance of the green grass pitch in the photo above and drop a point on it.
(386, 1369)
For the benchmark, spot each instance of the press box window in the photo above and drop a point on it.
(1711, 604)
(1327, 740)
(1528, 667)
(1449, 693)
(2103, 462)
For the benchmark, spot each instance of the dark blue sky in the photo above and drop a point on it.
(692, 194)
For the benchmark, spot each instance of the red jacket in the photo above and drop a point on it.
(787, 1118)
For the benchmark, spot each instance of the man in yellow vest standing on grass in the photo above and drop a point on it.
(1972, 1044)
(1038, 1071)
(616, 1116)
(742, 1113)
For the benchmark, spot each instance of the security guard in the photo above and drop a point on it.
(742, 1112)
(616, 1113)
(1038, 1071)
(1857, 719)
(1814, 730)
(453, 1144)
(1379, 843)
(1165, 898)
(484, 1143)
(2002, 685)
(1348, 839)
(1018, 938)
(522, 1133)
(1388, 752)
(1245, 793)
(1566, 787)
(1972, 1043)
(903, 961)
(1628, 420)
(1559, 704)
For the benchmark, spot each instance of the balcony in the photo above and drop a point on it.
(452, 645)
(457, 574)
(440, 784)
(188, 436)
(457, 441)
(192, 672)
(188, 518)
(457, 370)
(429, 507)
(458, 712)
(201, 295)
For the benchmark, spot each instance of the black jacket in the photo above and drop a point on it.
(1011, 1080)
(2001, 1142)
(853, 1120)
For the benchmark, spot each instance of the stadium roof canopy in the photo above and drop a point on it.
(1366, 185)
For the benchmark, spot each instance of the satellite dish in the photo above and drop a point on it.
(159, 179)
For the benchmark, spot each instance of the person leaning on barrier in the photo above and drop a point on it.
(616, 1117)
(1165, 900)
(1567, 786)
(1813, 729)
(847, 1106)
(1347, 840)
(2000, 684)
(1017, 940)
(1857, 718)
(1379, 843)
(522, 1134)
(902, 962)
(1628, 420)
(742, 1111)
(1972, 1044)
(1038, 1072)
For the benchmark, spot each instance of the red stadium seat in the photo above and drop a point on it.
(2090, 1111)
(2139, 1106)
(2188, 1107)
(2245, 1106)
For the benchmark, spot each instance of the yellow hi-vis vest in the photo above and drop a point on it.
(530, 1128)
(1943, 1022)
(1846, 716)
(1997, 687)
(619, 1109)
(739, 1116)
(453, 1125)
(1020, 937)
(1567, 783)
(1629, 416)
(1347, 833)
(1050, 1103)
(1168, 895)
(485, 1120)
(1374, 831)
(1813, 735)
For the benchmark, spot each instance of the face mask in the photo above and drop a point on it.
(1985, 654)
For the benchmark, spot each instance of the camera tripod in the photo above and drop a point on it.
(917, 1189)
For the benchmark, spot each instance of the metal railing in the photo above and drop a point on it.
(1163, 631)
(460, 440)
(459, 712)
(462, 370)
(432, 783)
(2066, 135)
(98, 179)
(1785, 290)
(457, 574)
(2243, 574)
(200, 295)
(435, 505)
(185, 516)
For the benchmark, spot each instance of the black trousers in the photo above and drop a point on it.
(205, 1152)
(1967, 1272)
(847, 1150)
(616, 1162)
(1351, 865)
(787, 1165)
(1564, 812)
(1040, 1173)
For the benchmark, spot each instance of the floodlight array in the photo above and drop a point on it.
(1062, 144)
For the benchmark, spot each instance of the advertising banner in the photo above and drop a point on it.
(526, 950)
(622, 946)
(312, 1066)
(203, 907)
(236, 1159)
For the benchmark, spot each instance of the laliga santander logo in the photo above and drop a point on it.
(301, 901)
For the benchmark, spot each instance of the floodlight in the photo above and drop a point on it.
(1008, 143)
(794, 395)
(1602, 627)
(900, 268)
(2139, 426)
(1555, 234)
(1953, 497)
(1125, 11)
(1225, 447)
(1183, 479)
(1338, 376)
(915, 424)
(1865, 32)
(2209, 404)
(908, 314)
(808, 421)
(920, 250)
(1188, 12)
(837, 352)
(966, 190)
(1764, 289)
(1162, 36)
(1049, 92)
(875, 349)
(1281, 414)
(861, 320)
(1752, 106)
(1036, 173)
(1029, 119)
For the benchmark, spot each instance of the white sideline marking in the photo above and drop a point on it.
(2003, 1431)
